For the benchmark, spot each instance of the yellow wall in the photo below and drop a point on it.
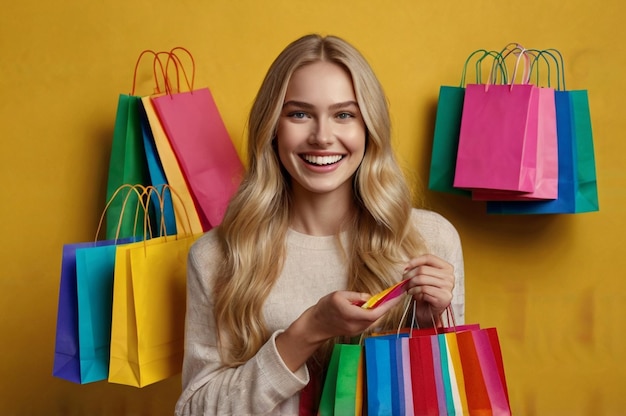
(554, 286)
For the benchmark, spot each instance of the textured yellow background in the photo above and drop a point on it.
(553, 285)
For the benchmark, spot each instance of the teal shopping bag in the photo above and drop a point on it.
(448, 127)
(94, 280)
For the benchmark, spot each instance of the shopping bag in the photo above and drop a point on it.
(426, 399)
(342, 391)
(446, 140)
(127, 165)
(587, 188)
(577, 185)
(447, 130)
(483, 371)
(94, 275)
(383, 359)
(406, 381)
(184, 203)
(547, 168)
(203, 148)
(76, 350)
(148, 310)
(498, 136)
(452, 373)
(165, 215)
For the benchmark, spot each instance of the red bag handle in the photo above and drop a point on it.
(157, 88)
(173, 57)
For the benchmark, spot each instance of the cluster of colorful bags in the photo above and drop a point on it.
(172, 170)
(121, 302)
(177, 138)
(523, 143)
(421, 372)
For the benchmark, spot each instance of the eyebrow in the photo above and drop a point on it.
(305, 105)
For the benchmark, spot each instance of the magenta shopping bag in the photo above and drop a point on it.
(498, 138)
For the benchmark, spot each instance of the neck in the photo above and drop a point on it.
(321, 214)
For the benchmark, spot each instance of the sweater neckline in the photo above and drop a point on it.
(315, 242)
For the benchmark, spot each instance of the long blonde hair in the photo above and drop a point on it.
(252, 233)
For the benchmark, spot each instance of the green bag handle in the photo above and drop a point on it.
(556, 56)
(478, 65)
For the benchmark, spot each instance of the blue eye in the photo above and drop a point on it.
(297, 114)
(344, 116)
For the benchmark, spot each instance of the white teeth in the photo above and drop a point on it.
(322, 160)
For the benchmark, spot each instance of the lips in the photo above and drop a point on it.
(322, 160)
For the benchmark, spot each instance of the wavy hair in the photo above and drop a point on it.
(252, 233)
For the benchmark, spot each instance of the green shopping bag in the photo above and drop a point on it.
(587, 187)
(127, 165)
(342, 391)
(447, 130)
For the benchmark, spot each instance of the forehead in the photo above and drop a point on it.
(320, 80)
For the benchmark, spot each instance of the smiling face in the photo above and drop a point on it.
(321, 132)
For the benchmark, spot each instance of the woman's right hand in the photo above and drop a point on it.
(340, 314)
(336, 314)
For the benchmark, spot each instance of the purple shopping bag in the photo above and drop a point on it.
(67, 360)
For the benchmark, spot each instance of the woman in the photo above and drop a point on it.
(321, 221)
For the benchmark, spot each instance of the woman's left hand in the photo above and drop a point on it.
(431, 285)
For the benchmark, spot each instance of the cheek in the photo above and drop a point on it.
(355, 142)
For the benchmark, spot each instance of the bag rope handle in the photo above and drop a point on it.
(517, 50)
(123, 210)
(478, 66)
(173, 57)
(141, 55)
(560, 73)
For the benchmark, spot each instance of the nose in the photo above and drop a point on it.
(322, 133)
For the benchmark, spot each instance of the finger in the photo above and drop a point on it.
(431, 277)
(436, 297)
(427, 259)
(357, 298)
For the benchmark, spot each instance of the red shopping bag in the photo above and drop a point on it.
(423, 379)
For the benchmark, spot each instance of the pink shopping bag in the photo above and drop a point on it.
(547, 167)
(498, 138)
(203, 148)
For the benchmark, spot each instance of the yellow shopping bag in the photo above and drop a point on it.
(147, 331)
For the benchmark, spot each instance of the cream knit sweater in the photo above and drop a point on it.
(313, 268)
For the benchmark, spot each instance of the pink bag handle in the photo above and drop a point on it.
(518, 50)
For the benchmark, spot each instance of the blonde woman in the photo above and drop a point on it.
(322, 220)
